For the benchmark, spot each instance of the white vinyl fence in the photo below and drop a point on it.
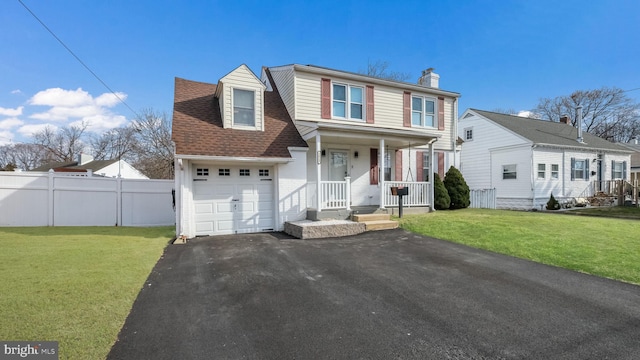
(50, 199)
(483, 198)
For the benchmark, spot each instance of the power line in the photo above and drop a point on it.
(78, 58)
(631, 90)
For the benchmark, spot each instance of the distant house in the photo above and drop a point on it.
(86, 166)
(301, 141)
(634, 146)
(526, 160)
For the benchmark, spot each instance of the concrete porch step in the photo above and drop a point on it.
(370, 217)
(380, 225)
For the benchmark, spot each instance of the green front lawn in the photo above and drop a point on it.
(75, 285)
(600, 246)
(620, 212)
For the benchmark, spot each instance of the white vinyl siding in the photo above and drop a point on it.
(241, 78)
(284, 79)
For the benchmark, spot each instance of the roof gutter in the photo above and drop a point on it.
(228, 159)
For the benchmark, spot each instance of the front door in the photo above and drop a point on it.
(338, 165)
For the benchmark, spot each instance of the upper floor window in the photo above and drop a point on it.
(348, 101)
(244, 108)
(468, 134)
(423, 111)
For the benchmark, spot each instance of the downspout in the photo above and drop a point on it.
(454, 138)
(534, 172)
(563, 174)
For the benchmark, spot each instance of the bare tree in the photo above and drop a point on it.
(119, 143)
(380, 69)
(153, 149)
(607, 112)
(22, 156)
(63, 144)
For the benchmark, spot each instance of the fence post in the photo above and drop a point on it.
(119, 201)
(635, 192)
(50, 205)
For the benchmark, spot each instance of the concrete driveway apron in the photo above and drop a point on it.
(379, 295)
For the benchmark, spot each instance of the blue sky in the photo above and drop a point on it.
(497, 54)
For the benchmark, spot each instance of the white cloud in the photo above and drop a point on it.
(5, 137)
(100, 123)
(529, 114)
(63, 98)
(10, 123)
(16, 92)
(30, 129)
(109, 99)
(11, 112)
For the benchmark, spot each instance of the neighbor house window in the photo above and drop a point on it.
(423, 111)
(579, 169)
(618, 170)
(554, 171)
(243, 108)
(468, 134)
(508, 172)
(348, 101)
(387, 166)
(542, 169)
(425, 168)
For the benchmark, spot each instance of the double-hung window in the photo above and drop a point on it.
(618, 170)
(348, 101)
(244, 108)
(579, 169)
(542, 169)
(387, 166)
(423, 111)
(554, 171)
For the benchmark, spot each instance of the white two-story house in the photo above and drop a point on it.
(300, 141)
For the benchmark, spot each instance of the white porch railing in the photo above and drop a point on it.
(419, 194)
(336, 194)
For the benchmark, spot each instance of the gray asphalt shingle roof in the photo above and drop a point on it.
(544, 132)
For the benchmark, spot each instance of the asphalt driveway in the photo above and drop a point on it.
(379, 295)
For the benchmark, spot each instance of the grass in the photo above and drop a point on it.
(620, 212)
(75, 285)
(600, 246)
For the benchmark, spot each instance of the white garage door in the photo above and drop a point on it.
(230, 200)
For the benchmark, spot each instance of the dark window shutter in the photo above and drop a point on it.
(440, 113)
(586, 169)
(373, 169)
(398, 165)
(419, 171)
(573, 169)
(613, 169)
(441, 165)
(370, 111)
(406, 109)
(325, 104)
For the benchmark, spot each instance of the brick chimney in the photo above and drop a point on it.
(429, 78)
(565, 119)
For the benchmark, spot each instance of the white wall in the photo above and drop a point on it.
(49, 199)
(292, 188)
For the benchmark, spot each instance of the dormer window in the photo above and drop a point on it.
(244, 113)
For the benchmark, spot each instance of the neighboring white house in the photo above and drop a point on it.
(634, 146)
(302, 141)
(526, 160)
(87, 166)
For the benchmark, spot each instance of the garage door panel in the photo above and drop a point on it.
(233, 204)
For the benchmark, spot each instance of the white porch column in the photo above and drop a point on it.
(431, 168)
(381, 174)
(318, 173)
(347, 181)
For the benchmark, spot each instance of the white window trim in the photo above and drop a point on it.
(423, 113)
(255, 111)
(557, 172)
(468, 131)
(425, 165)
(347, 102)
(543, 171)
(515, 172)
